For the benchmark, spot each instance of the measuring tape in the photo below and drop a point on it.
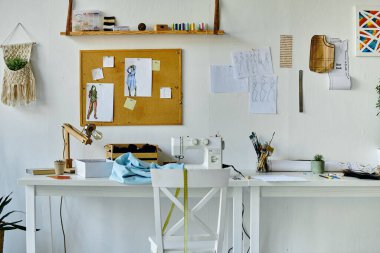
(186, 213)
(170, 212)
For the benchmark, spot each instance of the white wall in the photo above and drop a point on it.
(339, 124)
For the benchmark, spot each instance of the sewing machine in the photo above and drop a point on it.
(211, 146)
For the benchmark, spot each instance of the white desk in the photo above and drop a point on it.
(102, 187)
(315, 187)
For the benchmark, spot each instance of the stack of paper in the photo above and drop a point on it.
(280, 178)
(252, 71)
(257, 66)
(223, 80)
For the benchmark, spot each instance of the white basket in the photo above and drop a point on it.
(93, 168)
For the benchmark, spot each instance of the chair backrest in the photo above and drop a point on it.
(216, 179)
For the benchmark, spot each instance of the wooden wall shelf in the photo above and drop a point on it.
(215, 31)
(91, 33)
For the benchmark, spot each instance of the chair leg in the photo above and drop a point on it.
(155, 249)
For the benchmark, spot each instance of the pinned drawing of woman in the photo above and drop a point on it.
(93, 96)
(131, 79)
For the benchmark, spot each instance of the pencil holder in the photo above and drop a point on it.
(262, 163)
(59, 167)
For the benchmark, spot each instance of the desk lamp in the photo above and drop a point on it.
(83, 136)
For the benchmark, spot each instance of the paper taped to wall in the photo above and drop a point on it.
(138, 77)
(99, 102)
(252, 62)
(223, 81)
(263, 94)
(340, 77)
(286, 51)
(97, 74)
(165, 92)
(108, 61)
(130, 104)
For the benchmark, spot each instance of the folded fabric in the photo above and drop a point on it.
(127, 169)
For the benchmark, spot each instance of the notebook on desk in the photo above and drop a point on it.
(35, 171)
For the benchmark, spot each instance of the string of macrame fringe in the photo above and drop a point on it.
(19, 87)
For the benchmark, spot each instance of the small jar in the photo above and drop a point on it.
(59, 167)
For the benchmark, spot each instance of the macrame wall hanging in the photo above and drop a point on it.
(19, 86)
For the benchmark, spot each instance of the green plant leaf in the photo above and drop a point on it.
(15, 226)
(8, 228)
(11, 223)
(5, 202)
(16, 63)
(6, 215)
(4, 225)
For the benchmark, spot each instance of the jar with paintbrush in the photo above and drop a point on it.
(263, 152)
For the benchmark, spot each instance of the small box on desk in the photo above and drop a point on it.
(145, 152)
(95, 168)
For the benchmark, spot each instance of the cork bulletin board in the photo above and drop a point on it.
(151, 110)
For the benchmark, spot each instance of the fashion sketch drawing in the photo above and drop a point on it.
(131, 80)
(93, 96)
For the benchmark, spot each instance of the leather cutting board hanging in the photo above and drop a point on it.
(321, 54)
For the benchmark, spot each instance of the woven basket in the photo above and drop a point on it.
(19, 86)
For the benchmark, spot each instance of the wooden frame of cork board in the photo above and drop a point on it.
(148, 110)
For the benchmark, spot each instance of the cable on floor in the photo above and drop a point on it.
(63, 230)
(244, 230)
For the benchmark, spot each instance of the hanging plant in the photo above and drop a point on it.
(378, 99)
(15, 63)
(19, 86)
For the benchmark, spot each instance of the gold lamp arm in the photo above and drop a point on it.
(70, 130)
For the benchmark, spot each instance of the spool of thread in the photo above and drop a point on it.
(141, 27)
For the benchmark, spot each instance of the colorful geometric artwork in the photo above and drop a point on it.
(367, 20)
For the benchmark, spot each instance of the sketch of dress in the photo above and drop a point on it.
(252, 62)
(263, 94)
(131, 79)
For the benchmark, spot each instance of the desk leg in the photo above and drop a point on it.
(237, 219)
(255, 219)
(30, 193)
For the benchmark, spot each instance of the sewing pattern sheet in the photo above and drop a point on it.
(340, 77)
(252, 62)
(223, 81)
(263, 94)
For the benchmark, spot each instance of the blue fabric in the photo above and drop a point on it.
(127, 169)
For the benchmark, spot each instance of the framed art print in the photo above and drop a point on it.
(367, 19)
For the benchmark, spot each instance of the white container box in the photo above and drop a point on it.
(87, 20)
(93, 168)
(289, 165)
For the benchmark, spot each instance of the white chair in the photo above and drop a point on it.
(208, 241)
